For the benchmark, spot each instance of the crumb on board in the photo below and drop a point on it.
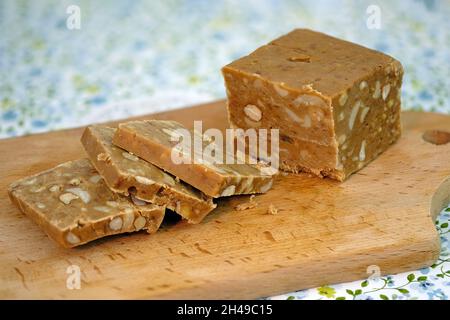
(272, 209)
(247, 205)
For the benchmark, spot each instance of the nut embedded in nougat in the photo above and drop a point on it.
(337, 107)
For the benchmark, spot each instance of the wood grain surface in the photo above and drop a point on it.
(325, 232)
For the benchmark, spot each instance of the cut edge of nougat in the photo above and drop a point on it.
(377, 103)
(76, 234)
(306, 90)
(213, 180)
(192, 204)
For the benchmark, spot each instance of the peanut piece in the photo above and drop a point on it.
(253, 112)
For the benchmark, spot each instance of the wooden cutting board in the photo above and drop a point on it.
(325, 232)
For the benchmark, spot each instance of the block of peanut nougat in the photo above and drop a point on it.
(125, 173)
(73, 205)
(152, 140)
(337, 104)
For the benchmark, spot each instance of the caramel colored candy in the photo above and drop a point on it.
(73, 205)
(124, 171)
(153, 141)
(337, 104)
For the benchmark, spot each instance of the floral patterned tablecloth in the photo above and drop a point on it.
(138, 57)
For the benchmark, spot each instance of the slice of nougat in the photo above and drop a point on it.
(337, 104)
(73, 205)
(125, 173)
(153, 140)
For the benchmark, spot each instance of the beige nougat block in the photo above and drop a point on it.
(126, 173)
(152, 140)
(337, 104)
(73, 205)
